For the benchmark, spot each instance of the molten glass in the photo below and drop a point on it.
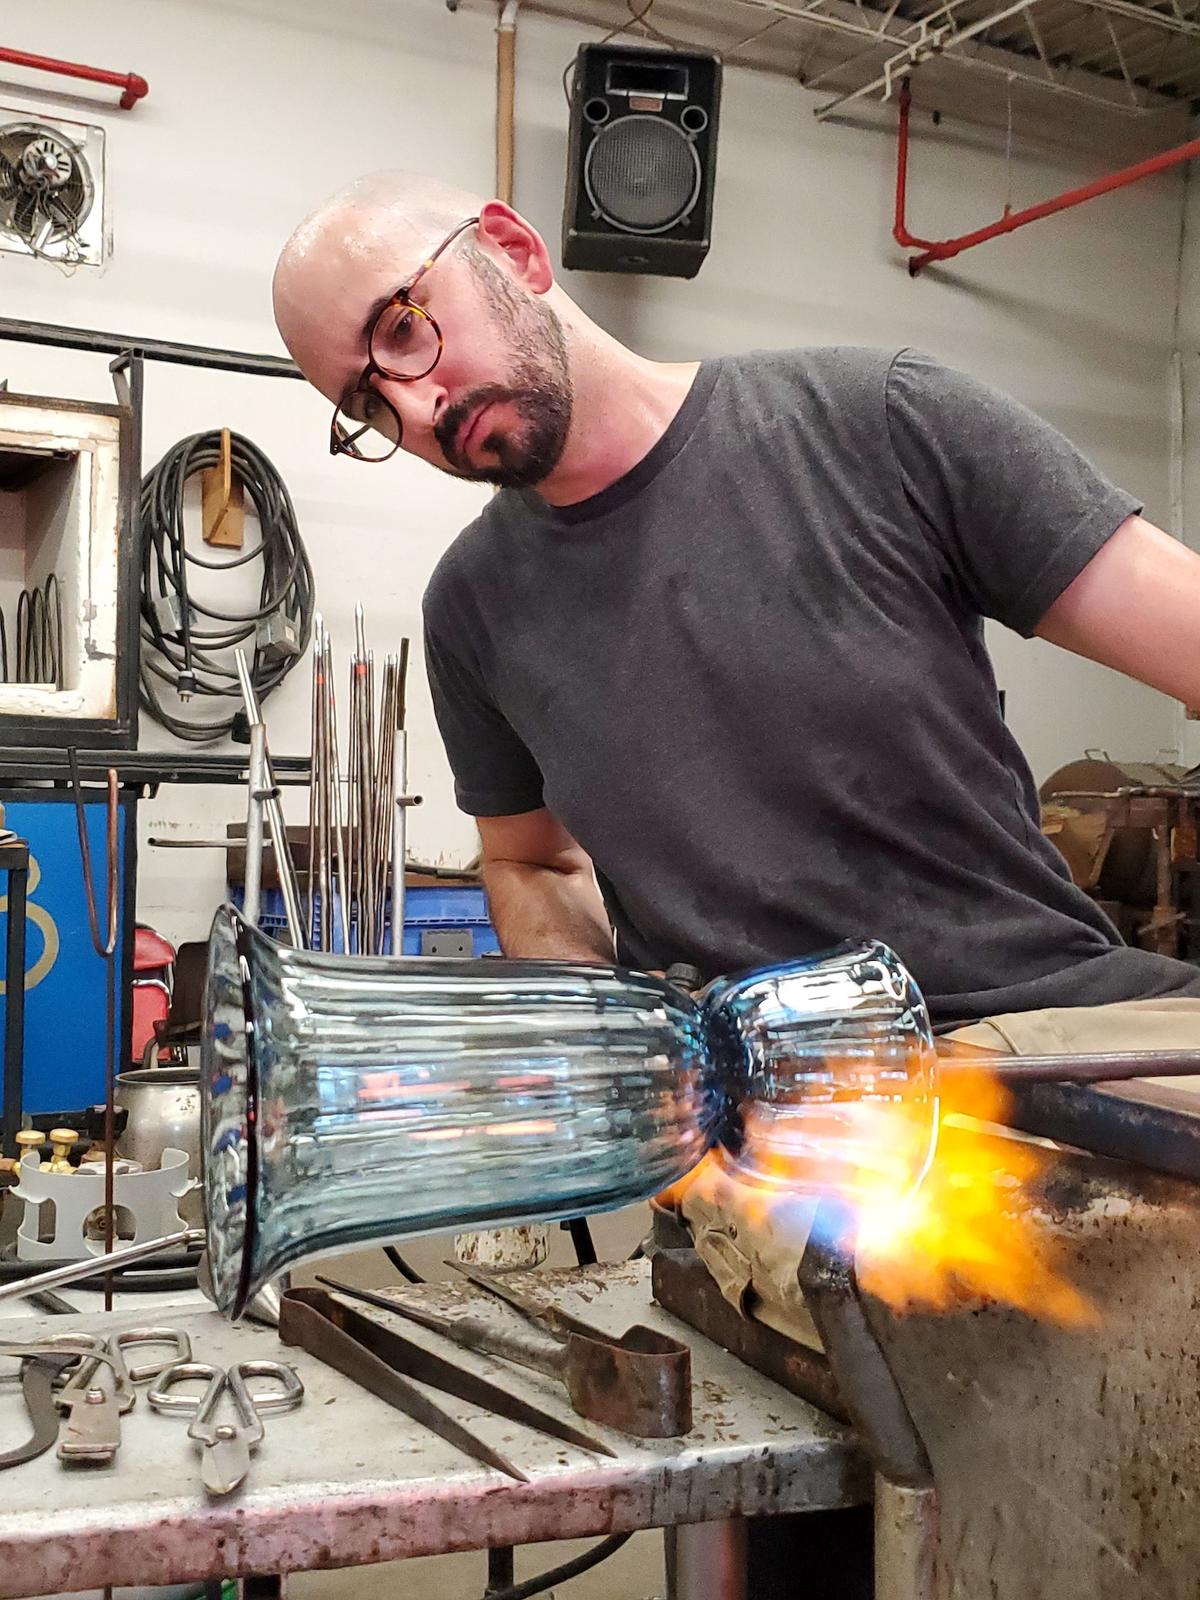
(351, 1101)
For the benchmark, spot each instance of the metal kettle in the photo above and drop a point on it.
(164, 1111)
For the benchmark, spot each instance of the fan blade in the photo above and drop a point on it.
(74, 199)
(24, 217)
(64, 220)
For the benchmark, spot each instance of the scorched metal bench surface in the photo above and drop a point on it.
(345, 1480)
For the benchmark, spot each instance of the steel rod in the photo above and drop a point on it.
(385, 778)
(399, 838)
(354, 888)
(335, 786)
(325, 829)
(169, 350)
(314, 780)
(1109, 1067)
(366, 889)
(252, 874)
(285, 865)
(77, 1271)
(372, 786)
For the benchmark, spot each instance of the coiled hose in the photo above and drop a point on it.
(177, 648)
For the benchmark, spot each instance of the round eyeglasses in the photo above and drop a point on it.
(404, 343)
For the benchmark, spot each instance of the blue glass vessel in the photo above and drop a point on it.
(355, 1100)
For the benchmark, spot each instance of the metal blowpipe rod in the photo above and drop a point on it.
(357, 836)
(93, 1266)
(1095, 1067)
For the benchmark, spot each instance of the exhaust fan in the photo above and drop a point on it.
(52, 189)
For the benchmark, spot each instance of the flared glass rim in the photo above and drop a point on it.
(236, 1093)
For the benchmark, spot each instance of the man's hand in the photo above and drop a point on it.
(1136, 607)
(541, 890)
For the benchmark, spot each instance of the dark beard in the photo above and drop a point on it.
(538, 390)
(527, 453)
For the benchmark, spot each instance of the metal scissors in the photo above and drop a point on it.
(60, 1372)
(225, 1446)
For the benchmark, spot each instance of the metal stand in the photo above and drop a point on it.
(501, 1569)
(707, 1561)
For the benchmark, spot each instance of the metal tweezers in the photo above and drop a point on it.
(384, 1361)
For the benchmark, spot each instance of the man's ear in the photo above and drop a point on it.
(505, 234)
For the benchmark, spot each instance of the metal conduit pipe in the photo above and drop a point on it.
(133, 88)
(506, 90)
(944, 249)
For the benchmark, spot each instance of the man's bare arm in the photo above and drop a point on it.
(541, 890)
(1136, 607)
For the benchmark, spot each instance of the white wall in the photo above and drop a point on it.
(258, 108)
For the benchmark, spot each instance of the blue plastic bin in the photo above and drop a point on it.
(427, 908)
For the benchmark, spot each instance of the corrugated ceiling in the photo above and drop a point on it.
(1125, 61)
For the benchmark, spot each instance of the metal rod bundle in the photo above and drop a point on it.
(356, 849)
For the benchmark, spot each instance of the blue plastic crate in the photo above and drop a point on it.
(428, 908)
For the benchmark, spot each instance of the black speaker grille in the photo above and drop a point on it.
(643, 174)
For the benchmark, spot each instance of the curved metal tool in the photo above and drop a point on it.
(639, 1382)
(39, 1373)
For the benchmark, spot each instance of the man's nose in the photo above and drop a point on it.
(419, 402)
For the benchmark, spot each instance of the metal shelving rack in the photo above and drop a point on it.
(1138, 58)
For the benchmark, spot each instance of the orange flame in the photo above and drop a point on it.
(931, 1231)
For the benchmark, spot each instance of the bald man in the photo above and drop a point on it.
(710, 667)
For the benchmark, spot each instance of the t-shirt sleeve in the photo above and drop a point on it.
(494, 773)
(1014, 508)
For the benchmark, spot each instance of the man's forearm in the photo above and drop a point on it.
(543, 913)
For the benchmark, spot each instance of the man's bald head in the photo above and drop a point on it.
(358, 246)
(494, 403)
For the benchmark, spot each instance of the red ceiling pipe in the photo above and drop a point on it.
(131, 86)
(943, 249)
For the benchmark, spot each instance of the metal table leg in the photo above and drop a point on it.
(706, 1561)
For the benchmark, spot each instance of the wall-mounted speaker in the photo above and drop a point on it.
(642, 162)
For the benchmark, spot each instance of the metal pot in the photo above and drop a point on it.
(164, 1112)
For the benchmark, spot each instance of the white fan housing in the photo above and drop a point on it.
(52, 189)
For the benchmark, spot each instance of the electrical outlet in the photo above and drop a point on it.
(441, 942)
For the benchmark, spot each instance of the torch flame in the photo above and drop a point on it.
(937, 1222)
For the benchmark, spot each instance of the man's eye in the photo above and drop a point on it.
(398, 328)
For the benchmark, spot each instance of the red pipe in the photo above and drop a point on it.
(132, 87)
(943, 249)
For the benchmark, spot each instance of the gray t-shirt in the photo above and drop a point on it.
(750, 679)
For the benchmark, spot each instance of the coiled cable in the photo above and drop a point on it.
(177, 648)
(39, 635)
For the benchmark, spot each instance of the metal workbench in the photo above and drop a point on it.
(346, 1481)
